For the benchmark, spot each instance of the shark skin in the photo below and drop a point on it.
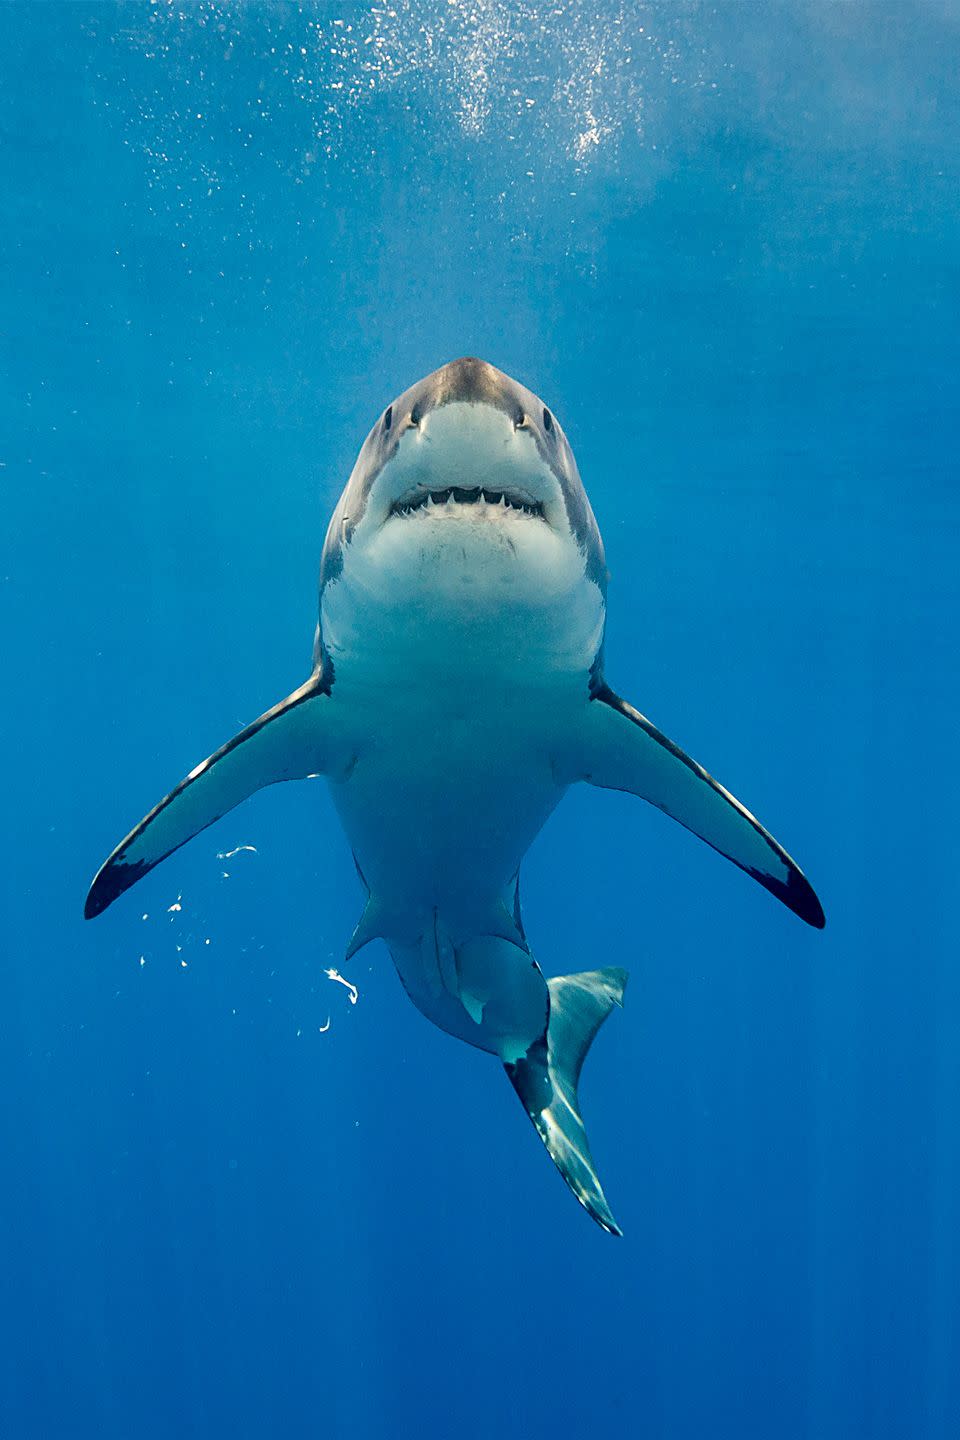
(457, 692)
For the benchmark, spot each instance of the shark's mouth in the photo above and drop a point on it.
(455, 495)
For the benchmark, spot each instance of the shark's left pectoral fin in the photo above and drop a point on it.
(622, 750)
(290, 741)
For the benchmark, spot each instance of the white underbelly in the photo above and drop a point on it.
(461, 652)
(445, 798)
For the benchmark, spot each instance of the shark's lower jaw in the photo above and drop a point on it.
(450, 502)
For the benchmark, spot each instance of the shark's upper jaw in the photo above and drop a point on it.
(467, 461)
(448, 503)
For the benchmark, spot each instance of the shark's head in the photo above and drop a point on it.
(465, 479)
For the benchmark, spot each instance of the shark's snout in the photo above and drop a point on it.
(474, 382)
(468, 381)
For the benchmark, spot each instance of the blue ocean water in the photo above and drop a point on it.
(722, 242)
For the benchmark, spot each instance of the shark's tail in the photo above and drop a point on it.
(546, 1079)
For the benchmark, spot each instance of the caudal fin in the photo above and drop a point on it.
(546, 1079)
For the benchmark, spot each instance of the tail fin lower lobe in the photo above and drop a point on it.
(546, 1079)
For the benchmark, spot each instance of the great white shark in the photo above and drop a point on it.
(457, 692)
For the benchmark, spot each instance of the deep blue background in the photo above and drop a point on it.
(229, 236)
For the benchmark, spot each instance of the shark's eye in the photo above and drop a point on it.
(519, 418)
(388, 418)
(547, 421)
(415, 415)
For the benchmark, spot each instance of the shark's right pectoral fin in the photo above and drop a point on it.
(619, 749)
(291, 741)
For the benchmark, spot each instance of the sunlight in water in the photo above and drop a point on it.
(554, 82)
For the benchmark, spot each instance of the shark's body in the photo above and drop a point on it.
(457, 692)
